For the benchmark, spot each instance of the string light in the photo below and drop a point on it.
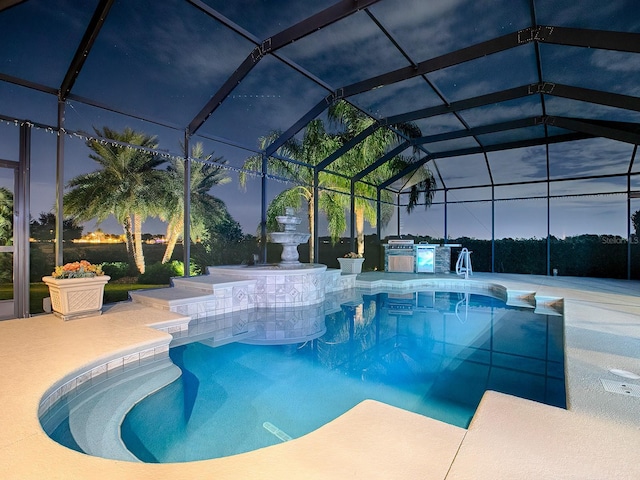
(163, 154)
(250, 173)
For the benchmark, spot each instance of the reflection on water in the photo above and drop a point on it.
(276, 326)
(434, 353)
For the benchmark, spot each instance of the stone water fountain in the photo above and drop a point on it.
(289, 238)
(289, 283)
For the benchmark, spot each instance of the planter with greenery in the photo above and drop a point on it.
(351, 263)
(76, 290)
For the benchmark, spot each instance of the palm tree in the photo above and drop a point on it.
(127, 186)
(206, 173)
(425, 185)
(419, 183)
(366, 153)
(316, 145)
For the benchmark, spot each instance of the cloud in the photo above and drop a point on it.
(439, 124)
(200, 57)
(616, 61)
(597, 156)
(487, 74)
(516, 165)
(564, 107)
(400, 97)
(585, 13)
(346, 52)
(271, 97)
(468, 170)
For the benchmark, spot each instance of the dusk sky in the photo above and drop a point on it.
(164, 61)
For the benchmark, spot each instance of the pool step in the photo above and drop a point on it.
(209, 283)
(196, 298)
(95, 415)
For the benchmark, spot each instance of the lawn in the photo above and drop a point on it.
(113, 292)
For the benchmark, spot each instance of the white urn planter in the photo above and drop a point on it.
(351, 265)
(73, 298)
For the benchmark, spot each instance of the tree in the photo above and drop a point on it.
(127, 186)
(365, 153)
(6, 234)
(206, 172)
(226, 244)
(315, 146)
(635, 218)
(6, 216)
(44, 229)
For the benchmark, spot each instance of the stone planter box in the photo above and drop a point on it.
(73, 298)
(351, 265)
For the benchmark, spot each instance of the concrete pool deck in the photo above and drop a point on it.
(597, 437)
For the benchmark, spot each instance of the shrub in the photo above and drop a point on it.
(116, 270)
(161, 273)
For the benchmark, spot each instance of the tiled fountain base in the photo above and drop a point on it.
(230, 289)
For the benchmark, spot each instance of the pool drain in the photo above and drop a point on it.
(623, 388)
(271, 428)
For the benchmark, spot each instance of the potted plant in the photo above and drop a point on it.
(76, 289)
(351, 263)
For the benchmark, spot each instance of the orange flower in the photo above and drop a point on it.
(81, 269)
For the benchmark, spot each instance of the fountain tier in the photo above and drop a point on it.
(289, 239)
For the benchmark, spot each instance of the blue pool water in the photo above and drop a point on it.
(434, 353)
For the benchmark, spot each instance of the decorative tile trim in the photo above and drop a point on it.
(88, 377)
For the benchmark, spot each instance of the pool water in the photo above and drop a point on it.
(433, 353)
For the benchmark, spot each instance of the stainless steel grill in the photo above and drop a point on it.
(400, 244)
(399, 255)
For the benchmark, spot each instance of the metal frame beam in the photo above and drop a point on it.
(482, 49)
(582, 37)
(545, 88)
(610, 130)
(534, 182)
(609, 40)
(512, 145)
(558, 35)
(592, 96)
(347, 146)
(223, 92)
(186, 199)
(624, 132)
(90, 34)
(22, 208)
(299, 125)
(596, 96)
(6, 4)
(492, 148)
(385, 158)
(300, 30)
(60, 183)
(479, 101)
(568, 36)
(27, 84)
(322, 19)
(472, 132)
(94, 103)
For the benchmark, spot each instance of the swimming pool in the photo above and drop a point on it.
(434, 353)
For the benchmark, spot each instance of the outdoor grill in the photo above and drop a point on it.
(399, 255)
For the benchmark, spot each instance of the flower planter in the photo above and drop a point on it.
(73, 298)
(351, 265)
